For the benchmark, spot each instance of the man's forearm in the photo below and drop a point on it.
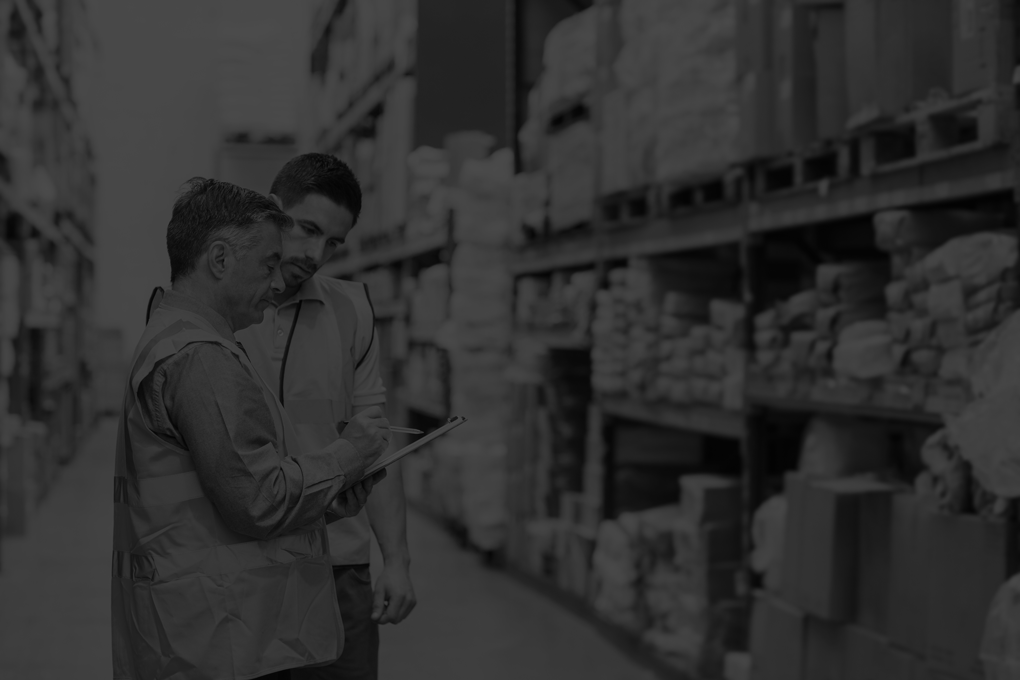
(387, 513)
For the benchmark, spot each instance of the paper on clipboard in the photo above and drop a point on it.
(385, 461)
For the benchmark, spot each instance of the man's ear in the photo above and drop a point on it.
(276, 199)
(218, 258)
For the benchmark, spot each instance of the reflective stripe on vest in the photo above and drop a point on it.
(192, 598)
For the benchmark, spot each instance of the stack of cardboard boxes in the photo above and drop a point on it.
(877, 584)
(669, 573)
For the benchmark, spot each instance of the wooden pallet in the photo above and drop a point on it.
(805, 171)
(727, 188)
(629, 207)
(934, 132)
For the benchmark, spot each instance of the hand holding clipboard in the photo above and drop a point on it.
(387, 460)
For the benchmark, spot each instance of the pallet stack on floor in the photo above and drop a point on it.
(46, 198)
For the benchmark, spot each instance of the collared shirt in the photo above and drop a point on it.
(276, 328)
(330, 371)
(204, 399)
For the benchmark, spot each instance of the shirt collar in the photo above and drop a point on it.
(311, 289)
(172, 298)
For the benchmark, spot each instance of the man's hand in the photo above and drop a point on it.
(368, 432)
(394, 595)
(349, 502)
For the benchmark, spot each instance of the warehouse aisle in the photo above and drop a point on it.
(471, 622)
(474, 622)
(55, 583)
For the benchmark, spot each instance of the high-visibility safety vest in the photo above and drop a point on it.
(191, 598)
(332, 330)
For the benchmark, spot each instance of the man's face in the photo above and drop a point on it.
(253, 278)
(320, 227)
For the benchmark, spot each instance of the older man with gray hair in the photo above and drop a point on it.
(221, 566)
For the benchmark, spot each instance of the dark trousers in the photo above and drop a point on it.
(360, 658)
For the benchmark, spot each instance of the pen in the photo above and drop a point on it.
(404, 430)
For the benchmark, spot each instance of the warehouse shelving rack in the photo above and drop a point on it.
(740, 208)
(53, 352)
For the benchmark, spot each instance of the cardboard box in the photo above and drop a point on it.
(793, 542)
(777, 640)
(823, 655)
(794, 67)
(969, 558)
(909, 562)
(825, 570)
(830, 67)
(976, 25)
(874, 559)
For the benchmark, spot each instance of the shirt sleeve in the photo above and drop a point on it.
(368, 385)
(206, 398)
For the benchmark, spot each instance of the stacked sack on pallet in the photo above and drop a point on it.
(626, 331)
(954, 282)
(477, 337)
(567, 155)
(851, 317)
(701, 363)
(786, 351)
(669, 574)
(674, 110)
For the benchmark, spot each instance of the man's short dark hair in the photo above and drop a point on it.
(318, 173)
(208, 210)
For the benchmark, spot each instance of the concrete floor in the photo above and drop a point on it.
(471, 622)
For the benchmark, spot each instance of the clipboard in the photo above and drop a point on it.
(455, 421)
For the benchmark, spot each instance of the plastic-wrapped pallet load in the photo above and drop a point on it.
(615, 572)
(482, 214)
(528, 205)
(687, 559)
(630, 109)
(477, 337)
(571, 166)
(787, 348)
(652, 300)
(953, 282)
(701, 362)
(568, 59)
(697, 124)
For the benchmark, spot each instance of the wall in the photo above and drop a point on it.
(167, 87)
